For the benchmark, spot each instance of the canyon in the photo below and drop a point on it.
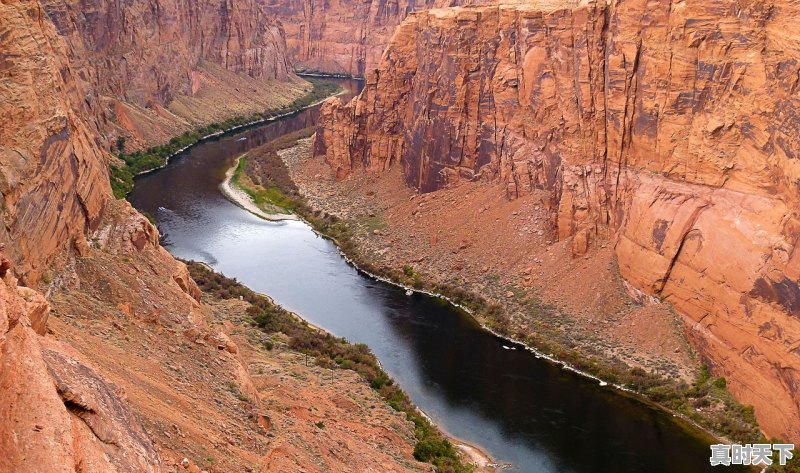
(641, 153)
(154, 71)
(658, 137)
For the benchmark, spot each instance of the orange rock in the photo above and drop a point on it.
(67, 79)
(58, 414)
(73, 77)
(54, 178)
(343, 36)
(671, 130)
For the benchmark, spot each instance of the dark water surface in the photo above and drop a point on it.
(521, 409)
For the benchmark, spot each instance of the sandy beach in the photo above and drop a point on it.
(240, 198)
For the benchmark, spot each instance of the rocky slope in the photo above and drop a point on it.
(668, 129)
(108, 360)
(212, 392)
(58, 413)
(344, 37)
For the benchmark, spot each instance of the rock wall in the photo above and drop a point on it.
(53, 177)
(75, 74)
(670, 129)
(141, 60)
(344, 36)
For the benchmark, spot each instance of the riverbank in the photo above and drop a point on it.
(361, 216)
(243, 197)
(205, 383)
(329, 351)
(340, 231)
(144, 161)
(232, 189)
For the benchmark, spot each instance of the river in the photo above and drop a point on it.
(520, 409)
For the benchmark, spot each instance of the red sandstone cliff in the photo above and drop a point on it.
(60, 65)
(54, 181)
(158, 69)
(58, 413)
(77, 73)
(344, 37)
(670, 129)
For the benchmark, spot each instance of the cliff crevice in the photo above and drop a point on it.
(343, 37)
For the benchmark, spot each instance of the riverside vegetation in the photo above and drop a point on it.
(141, 161)
(263, 176)
(705, 402)
(334, 353)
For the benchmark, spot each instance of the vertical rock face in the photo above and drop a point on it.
(53, 177)
(669, 128)
(144, 52)
(461, 95)
(344, 36)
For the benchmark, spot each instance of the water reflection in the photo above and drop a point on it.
(521, 409)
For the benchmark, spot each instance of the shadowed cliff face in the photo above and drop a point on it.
(668, 128)
(144, 62)
(344, 37)
(127, 43)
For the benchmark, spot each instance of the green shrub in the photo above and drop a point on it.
(431, 448)
(334, 352)
(155, 157)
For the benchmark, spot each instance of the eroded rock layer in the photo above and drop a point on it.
(53, 176)
(158, 69)
(344, 37)
(670, 128)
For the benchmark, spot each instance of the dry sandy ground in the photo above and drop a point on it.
(507, 251)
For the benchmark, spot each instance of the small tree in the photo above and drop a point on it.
(121, 144)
